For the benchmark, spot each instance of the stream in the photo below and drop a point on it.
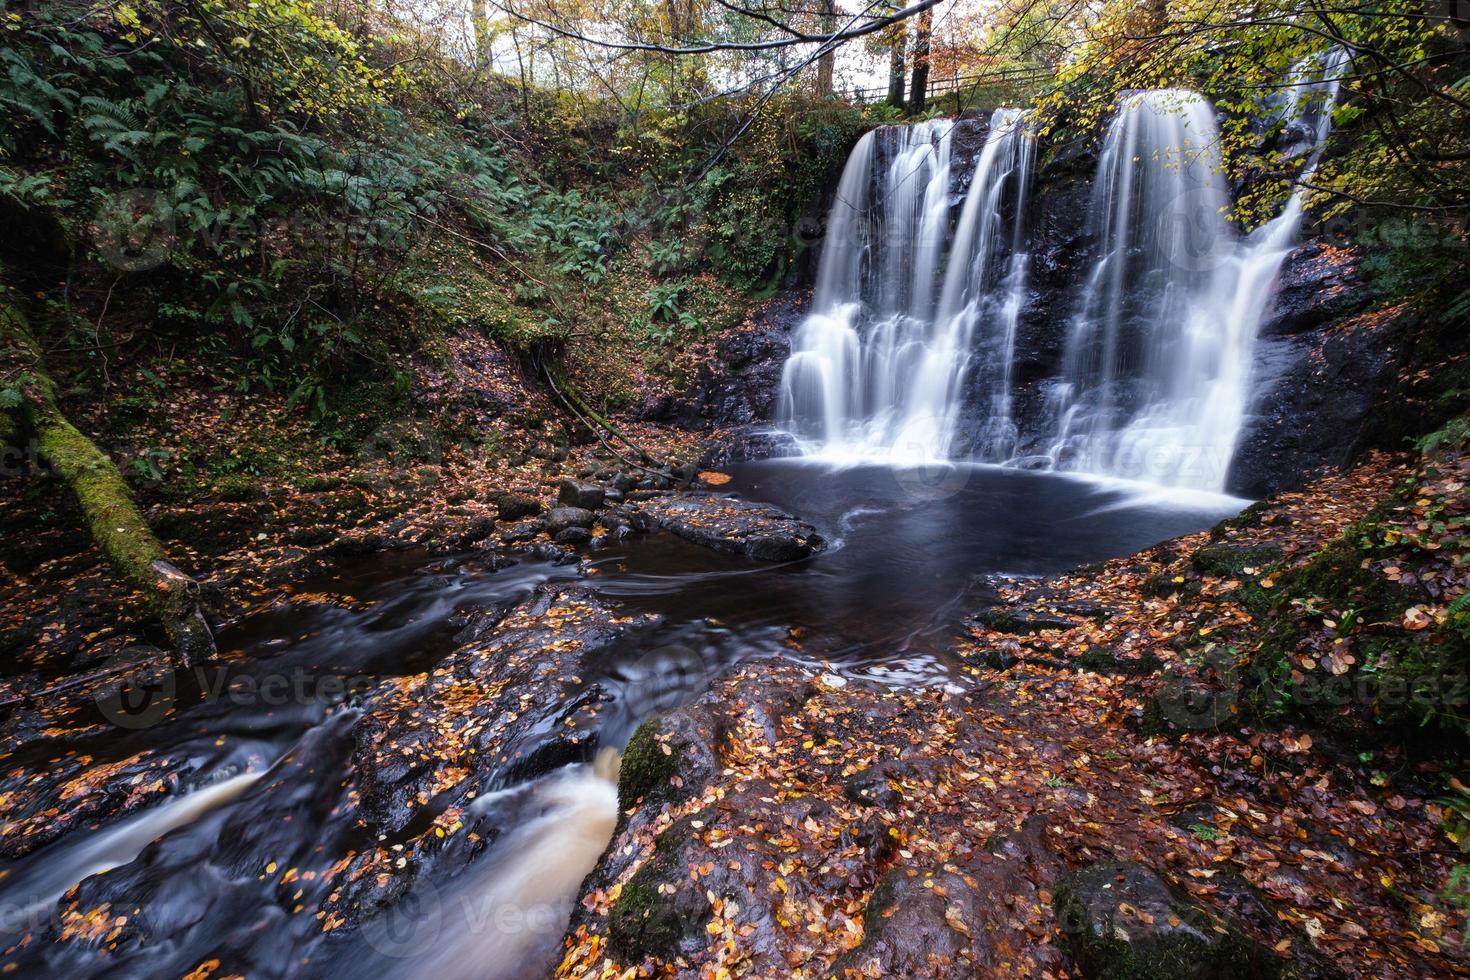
(910, 550)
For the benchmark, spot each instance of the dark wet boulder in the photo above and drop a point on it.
(478, 529)
(514, 506)
(1124, 922)
(561, 518)
(1314, 400)
(731, 525)
(665, 912)
(670, 761)
(873, 787)
(1190, 703)
(1020, 621)
(669, 758)
(480, 712)
(971, 919)
(1231, 560)
(910, 930)
(1318, 283)
(579, 493)
(1106, 660)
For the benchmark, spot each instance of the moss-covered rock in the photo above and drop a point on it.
(1167, 583)
(1251, 517)
(645, 923)
(514, 506)
(1354, 598)
(1123, 922)
(1104, 660)
(1230, 560)
(647, 767)
(1021, 621)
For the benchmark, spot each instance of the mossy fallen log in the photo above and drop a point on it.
(107, 504)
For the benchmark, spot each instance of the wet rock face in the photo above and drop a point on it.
(475, 701)
(1316, 393)
(730, 525)
(740, 387)
(762, 867)
(1124, 922)
(1318, 283)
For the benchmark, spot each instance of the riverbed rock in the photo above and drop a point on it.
(482, 702)
(730, 525)
(1319, 282)
(946, 920)
(579, 493)
(370, 802)
(1230, 560)
(514, 506)
(1123, 922)
(1189, 703)
(561, 518)
(1019, 620)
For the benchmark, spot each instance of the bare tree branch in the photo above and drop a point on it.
(796, 37)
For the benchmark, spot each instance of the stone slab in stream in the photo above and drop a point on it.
(731, 525)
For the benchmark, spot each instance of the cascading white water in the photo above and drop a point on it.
(1140, 341)
(1155, 380)
(1156, 374)
(876, 369)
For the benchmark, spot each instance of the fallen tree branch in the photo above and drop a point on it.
(107, 504)
(595, 421)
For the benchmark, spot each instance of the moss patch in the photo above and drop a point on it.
(1231, 561)
(645, 923)
(647, 767)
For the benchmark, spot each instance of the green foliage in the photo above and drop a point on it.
(1457, 891)
(1204, 832)
(1400, 119)
(269, 178)
(1453, 433)
(755, 199)
(1456, 804)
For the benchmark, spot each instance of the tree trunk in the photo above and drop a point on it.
(480, 18)
(919, 90)
(107, 504)
(826, 61)
(896, 72)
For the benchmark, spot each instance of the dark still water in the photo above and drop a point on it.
(257, 777)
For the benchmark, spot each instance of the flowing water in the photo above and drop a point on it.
(911, 549)
(1154, 382)
(876, 369)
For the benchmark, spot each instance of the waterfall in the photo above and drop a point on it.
(877, 368)
(911, 320)
(1148, 341)
(1156, 372)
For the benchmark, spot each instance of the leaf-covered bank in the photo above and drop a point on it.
(1115, 796)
